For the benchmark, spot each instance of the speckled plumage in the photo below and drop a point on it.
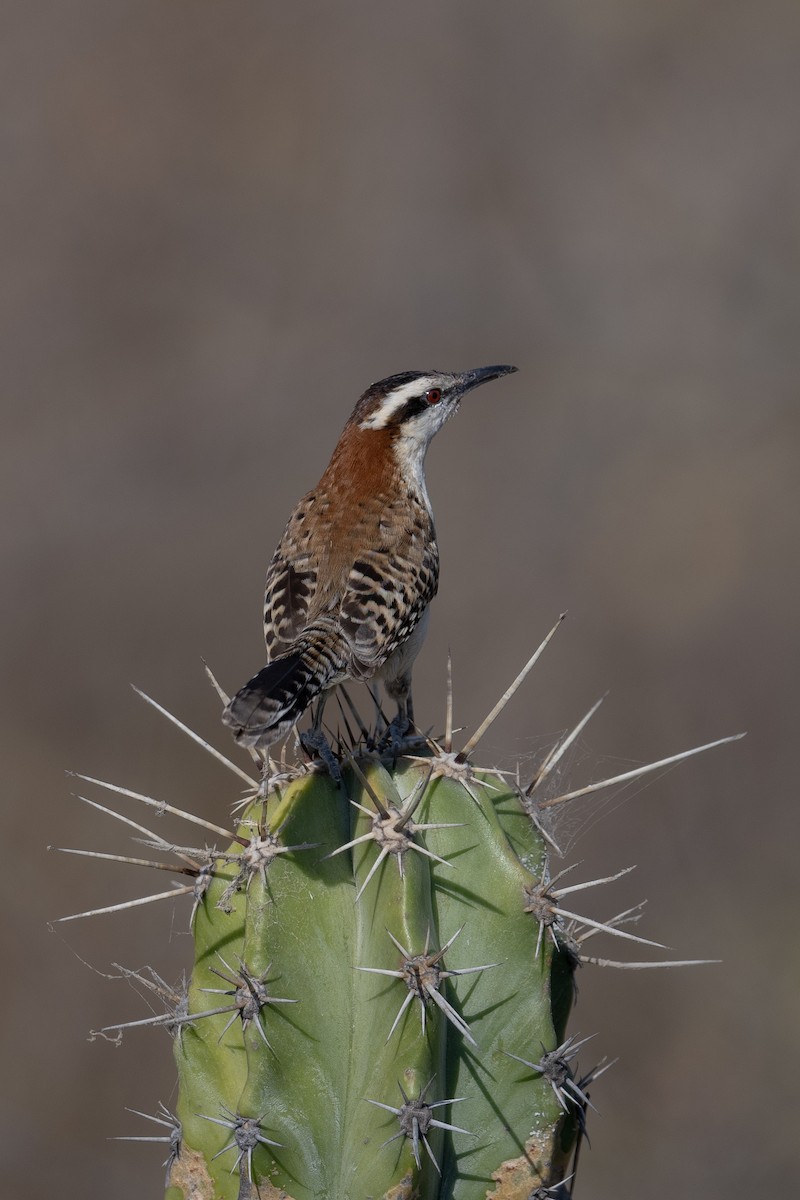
(357, 566)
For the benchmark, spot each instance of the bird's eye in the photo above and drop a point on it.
(434, 395)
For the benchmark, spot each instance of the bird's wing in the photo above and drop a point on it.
(291, 582)
(387, 591)
(376, 594)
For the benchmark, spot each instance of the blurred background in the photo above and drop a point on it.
(221, 222)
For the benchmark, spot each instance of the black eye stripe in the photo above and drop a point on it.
(412, 408)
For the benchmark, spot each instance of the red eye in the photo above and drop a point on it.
(433, 396)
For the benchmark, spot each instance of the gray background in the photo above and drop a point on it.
(220, 222)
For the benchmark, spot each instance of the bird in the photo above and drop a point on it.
(349, 586)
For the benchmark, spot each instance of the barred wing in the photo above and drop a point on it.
(291, 582)
(377, 595)
(387, 592)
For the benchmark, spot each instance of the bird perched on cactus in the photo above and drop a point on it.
(349, 586)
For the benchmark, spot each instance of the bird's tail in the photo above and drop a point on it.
(266, 708)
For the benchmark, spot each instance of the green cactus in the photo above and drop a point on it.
(416, 990)
(382, 978)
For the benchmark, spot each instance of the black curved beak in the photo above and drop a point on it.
(473, 379)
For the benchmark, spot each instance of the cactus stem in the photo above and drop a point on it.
(490, 719)
(172, 1139)
(226, 762)
(416, 1118)
(297, 915)
(627, 776)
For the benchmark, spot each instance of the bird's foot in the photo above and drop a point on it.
(401, 736)
(316, 745)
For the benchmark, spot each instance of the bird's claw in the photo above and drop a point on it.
(400, 736)
(316, 745)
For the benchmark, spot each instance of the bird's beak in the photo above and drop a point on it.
(472, 379)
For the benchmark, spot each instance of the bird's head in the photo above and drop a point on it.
(414, 405)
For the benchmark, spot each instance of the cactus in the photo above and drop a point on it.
(382, 978)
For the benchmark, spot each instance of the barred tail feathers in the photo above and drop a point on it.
(269, 704)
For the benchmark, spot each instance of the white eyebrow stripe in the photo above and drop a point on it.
(392, 403)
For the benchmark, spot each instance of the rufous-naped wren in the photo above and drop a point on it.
(349, 585)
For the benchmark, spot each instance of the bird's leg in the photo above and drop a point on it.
(266, 775)
(400, 734)
(410, 707)
(380, 720)
(316, 745)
